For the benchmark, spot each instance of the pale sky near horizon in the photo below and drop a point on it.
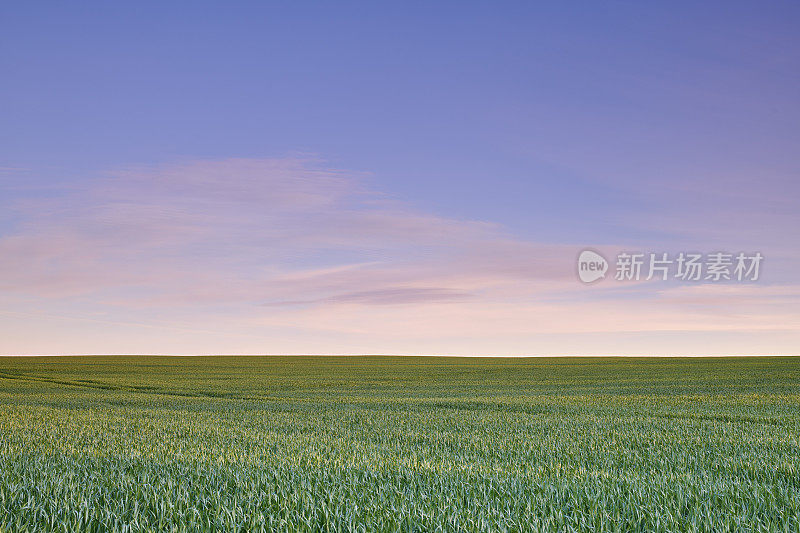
(419, 178)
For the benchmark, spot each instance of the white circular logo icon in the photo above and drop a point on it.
(591, 266)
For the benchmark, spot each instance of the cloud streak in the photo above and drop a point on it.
(298, 255)
(247, 230)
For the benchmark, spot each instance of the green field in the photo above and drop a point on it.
(408, 444)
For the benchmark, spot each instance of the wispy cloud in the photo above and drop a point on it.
(296, 254)
(388, 296)
(251, 230)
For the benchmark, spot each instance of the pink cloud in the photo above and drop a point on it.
(288, 252)
(238, 230)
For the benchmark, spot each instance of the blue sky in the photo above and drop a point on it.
(517, 131)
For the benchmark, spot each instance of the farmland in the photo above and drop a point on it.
(389, 443)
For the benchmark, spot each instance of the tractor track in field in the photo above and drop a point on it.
(89, 384)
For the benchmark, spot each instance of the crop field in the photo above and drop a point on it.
(399, 444)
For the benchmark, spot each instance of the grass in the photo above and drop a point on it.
(399, 444)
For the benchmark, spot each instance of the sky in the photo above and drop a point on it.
(413, 178)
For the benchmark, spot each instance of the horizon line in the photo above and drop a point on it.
(451, 356)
